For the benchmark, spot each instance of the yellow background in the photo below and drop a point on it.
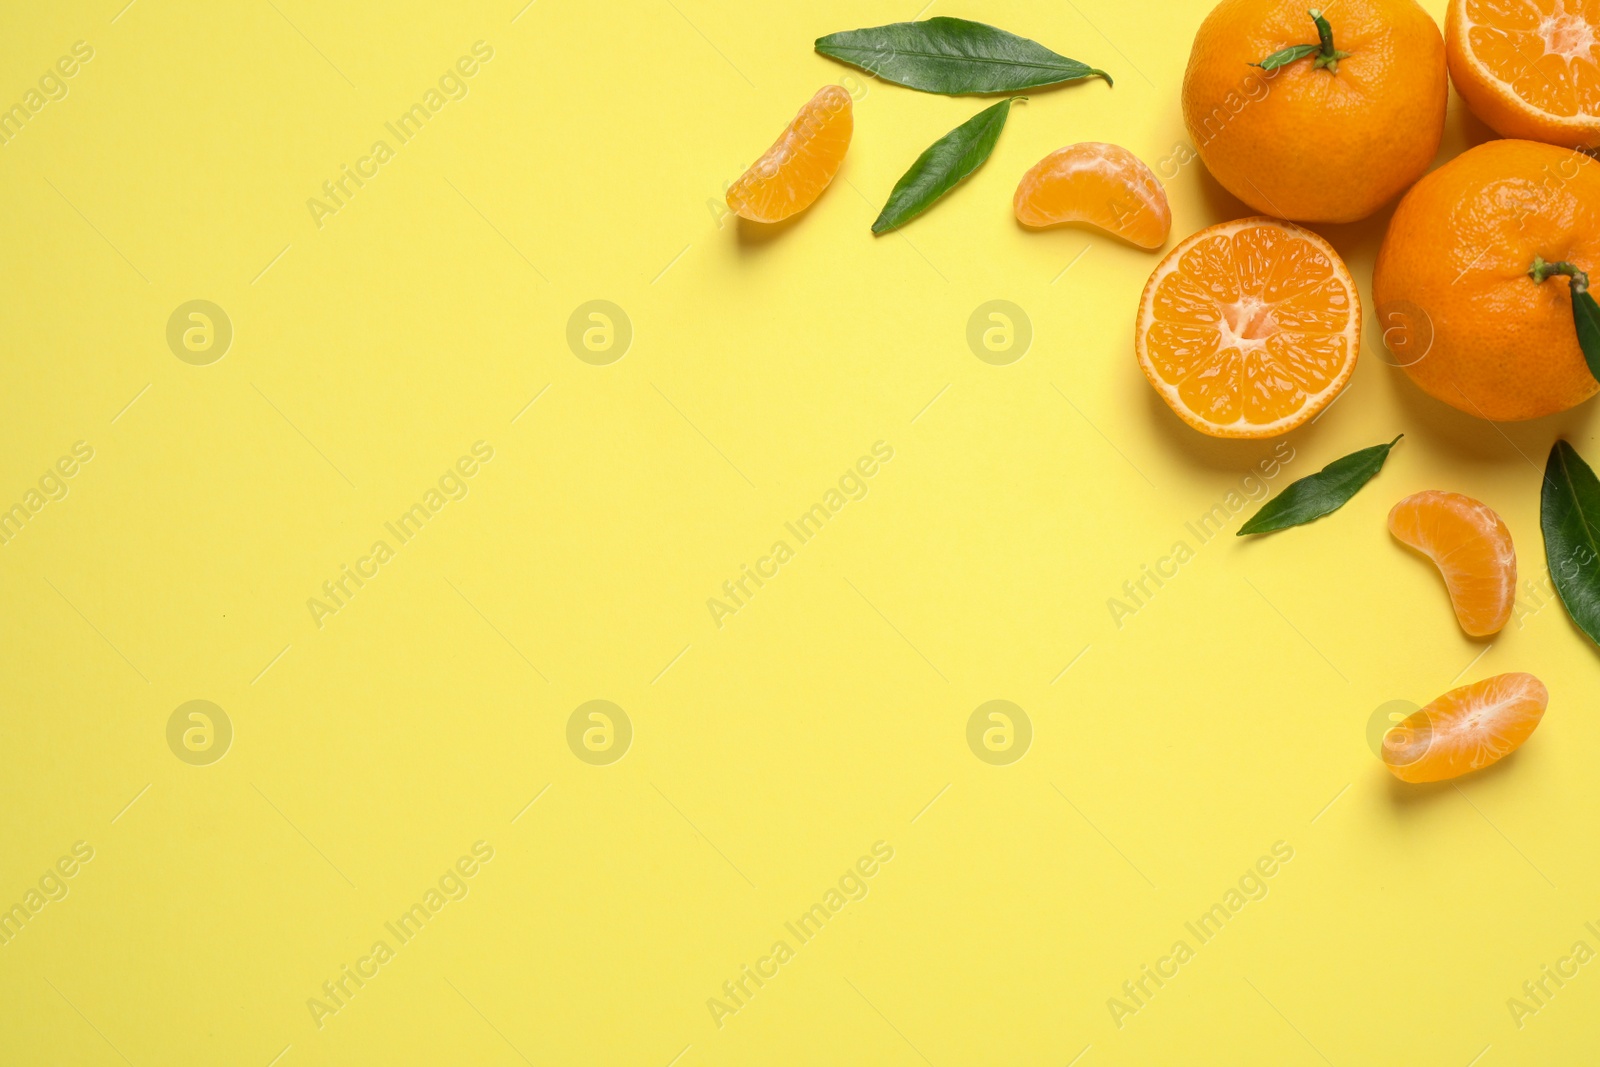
(368, 754)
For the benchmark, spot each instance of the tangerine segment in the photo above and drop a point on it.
(1472, 548)
(1466, 729)
(1529, 68)
(800, 163)
(1104, 185)
(1249, 328)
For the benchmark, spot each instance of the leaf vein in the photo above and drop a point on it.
(959, 58)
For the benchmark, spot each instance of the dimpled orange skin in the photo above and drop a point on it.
(1452, 276)
(1547, 49)
(1310, 144)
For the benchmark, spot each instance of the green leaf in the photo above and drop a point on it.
(953, 56)
(1569, 514)
(1286, 56)
(1318, 494)
(942, 167)
(1586, 316)
(1585, 313)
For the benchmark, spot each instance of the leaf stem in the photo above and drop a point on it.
(1542, 269)
(1327, 56)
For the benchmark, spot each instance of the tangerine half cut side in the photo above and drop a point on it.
(1529, 68)
(1472, 548)
(790, 176)
(1249, 328)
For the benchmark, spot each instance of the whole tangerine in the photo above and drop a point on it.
(1313, 118)
(1469, 287)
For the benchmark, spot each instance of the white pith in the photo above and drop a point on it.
(1567, 36)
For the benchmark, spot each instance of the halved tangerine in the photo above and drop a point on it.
(800, 163)
(1529, 68)
(1466, 729)
(1472, 548)
(1249, 328)
(1104, 185)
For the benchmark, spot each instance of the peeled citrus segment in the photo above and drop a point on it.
(1529, 68)
(1466, 729)
(1471, 547)
(1104, 185)
(800, 163)
(1249, 328)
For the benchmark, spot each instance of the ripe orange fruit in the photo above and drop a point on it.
(1529, 69)
(1328, 137)
(800, 163)
(1104, 185)
(1471, 547)
(1452, 283)
(1249, 328)
(1466, 729)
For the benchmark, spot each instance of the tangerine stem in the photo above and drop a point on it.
(1330, 56)
(1542, 269)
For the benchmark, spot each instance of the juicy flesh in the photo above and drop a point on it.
(800, 163)
(1466, 729)
(1546, 51)
(1472, 548)
(1252, 327)
(1104, 185)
